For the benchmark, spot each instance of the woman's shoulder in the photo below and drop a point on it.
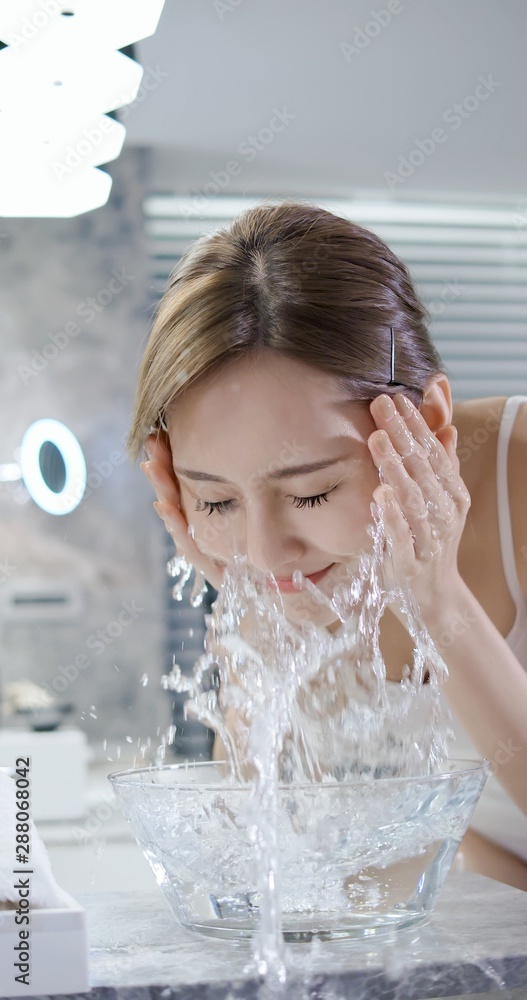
(478, 422)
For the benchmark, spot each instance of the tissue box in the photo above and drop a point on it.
(59, 770)
(58, 952)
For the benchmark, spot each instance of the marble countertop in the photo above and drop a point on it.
(475, 942)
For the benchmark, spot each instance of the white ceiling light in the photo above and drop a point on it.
(59, 75)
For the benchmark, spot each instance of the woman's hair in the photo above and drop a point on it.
(294, 279)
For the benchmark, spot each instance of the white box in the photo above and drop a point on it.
(59, 769)
(58, 952)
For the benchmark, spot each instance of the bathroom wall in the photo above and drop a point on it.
(75, 308)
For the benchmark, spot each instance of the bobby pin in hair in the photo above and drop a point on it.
(392, 359)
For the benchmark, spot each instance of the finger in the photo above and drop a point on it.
(159, 469)
(453, 484)
(157, 446)
(398, 533)
(160, 473)
(439, 448)
(388, 417)
(402, 541)
(177, 527)
(418, 427)
(160, 453)
(417, 495)
(165, 484)
(420, 490)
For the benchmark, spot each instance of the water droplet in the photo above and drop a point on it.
(179, 567)
(297, 578)
(199, 590)
(144, 680)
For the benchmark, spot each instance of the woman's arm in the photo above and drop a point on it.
(517, 476)
(487, 685)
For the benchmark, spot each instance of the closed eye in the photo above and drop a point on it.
(311, 501)
(222, 506)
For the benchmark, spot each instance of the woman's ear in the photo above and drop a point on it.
(436, 407)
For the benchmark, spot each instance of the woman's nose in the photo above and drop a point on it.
(268, 542)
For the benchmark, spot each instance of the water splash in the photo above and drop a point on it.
(179, 567)
(293, 702)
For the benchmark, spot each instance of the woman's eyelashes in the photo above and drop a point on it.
(311, 501)
(222, 506)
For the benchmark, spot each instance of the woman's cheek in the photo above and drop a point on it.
(344, 530)
(213, 535)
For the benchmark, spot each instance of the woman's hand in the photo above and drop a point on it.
(158, 470)
(425, 503)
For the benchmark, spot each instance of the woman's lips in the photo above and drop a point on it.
(287, 586)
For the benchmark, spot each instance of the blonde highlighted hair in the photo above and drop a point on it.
(297, 280)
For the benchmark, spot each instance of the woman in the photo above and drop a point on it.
(288, 363)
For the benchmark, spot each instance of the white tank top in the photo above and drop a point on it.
(496, 816)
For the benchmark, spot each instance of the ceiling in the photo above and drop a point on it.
(217, 73)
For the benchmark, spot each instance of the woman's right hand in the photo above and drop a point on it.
(160, 473)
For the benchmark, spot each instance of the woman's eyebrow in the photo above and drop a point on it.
(292, 470)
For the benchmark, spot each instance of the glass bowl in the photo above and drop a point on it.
(356, 857)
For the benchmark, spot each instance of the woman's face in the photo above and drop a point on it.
(235, 441)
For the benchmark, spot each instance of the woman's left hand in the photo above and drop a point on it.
(425, 503)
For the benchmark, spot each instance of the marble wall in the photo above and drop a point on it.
(75, 308)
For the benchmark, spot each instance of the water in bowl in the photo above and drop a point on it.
(355, 857)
